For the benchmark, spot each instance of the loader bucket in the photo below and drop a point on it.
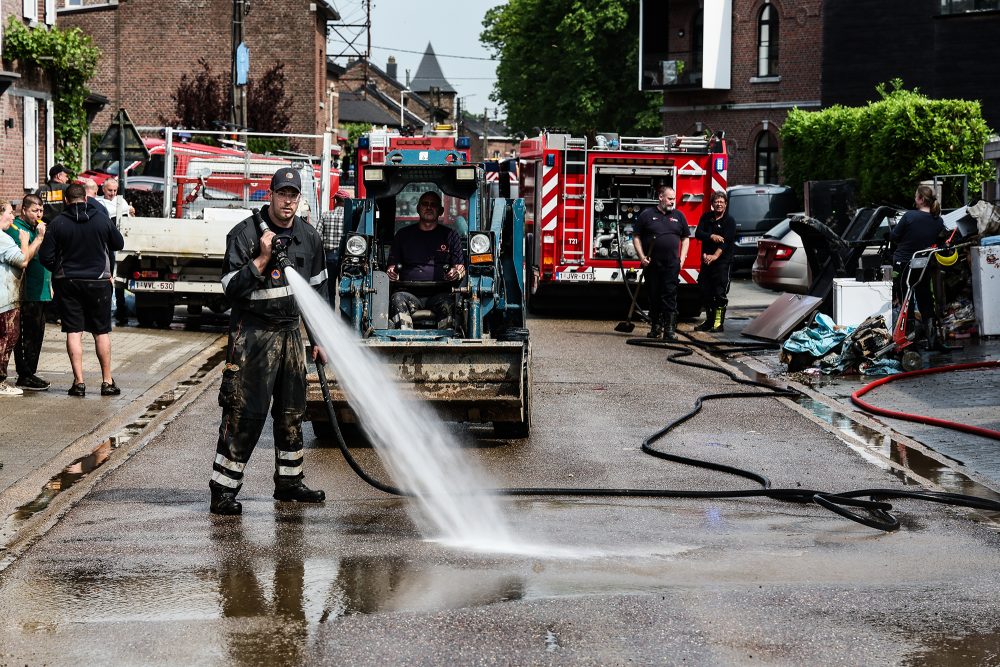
(464, 380)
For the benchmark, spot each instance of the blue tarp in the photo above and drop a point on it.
(821, 337)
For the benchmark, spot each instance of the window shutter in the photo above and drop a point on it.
(50, 135)
(50, 12)
(30, 126)
(31, 9)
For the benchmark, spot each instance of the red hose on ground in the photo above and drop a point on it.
(923, 419)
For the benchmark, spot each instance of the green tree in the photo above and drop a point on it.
(570, 64)
(889, 145)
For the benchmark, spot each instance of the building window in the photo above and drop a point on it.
(697, 44)
(963, 6)
(767, 41)
(74, 3)
(767, 157)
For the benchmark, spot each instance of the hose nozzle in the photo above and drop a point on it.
(279, 246)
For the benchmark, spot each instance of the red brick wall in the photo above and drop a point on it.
(799, 76)
(161, 41)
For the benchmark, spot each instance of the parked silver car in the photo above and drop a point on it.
(781, 263)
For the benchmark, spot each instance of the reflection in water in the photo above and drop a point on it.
(907, 457)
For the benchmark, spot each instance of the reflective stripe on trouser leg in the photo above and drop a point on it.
(238, 436)
(288, 408)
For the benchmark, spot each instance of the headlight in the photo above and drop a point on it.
(374, 174)
(599, 206)
(479, 244)
(357, 245)
(465, 174)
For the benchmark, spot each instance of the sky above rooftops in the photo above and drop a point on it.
(402, 28)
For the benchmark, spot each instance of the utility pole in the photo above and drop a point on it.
(240, 66)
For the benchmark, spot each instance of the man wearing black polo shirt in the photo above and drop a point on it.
(660, 237)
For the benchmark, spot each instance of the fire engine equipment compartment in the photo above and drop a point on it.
(620, 194)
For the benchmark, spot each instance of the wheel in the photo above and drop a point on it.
(145, 314)
(163, 316)
(911, 361)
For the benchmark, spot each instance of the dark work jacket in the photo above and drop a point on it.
(52, 198)
(724, 227)
(266, 299)
(81, 243)
(916, 230)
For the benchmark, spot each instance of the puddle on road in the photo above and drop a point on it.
(906, 457)
(84, 465)
(957, 651)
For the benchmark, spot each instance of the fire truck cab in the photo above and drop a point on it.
(581, 200)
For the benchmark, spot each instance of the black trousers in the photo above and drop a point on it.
(713, 279)
(662, 280)
(264, 368)
(29, 345)
(921, 290)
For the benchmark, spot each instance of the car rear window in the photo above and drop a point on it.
(759, 211)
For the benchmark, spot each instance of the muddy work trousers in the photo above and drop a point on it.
(713, 279)
(29, 345)
(261, 365)
(662, 281)
(404, 304)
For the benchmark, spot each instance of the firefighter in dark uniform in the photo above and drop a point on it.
(717, 233)
(661, 239)
(52, 192)
(266, 357)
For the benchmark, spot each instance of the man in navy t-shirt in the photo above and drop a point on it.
(430, 253)
(661, 238)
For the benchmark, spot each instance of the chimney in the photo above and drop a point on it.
(390, 67)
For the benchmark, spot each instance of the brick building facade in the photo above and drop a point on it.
(761, 91)
(27, 147)
(148, 45)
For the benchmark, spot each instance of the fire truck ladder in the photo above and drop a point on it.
(575, 188)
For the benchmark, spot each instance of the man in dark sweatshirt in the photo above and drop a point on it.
(79, 250)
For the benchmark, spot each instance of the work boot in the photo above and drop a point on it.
(297, 492)
(718, 321)
(224, 503)
(655, 326)
(670, 330)
(709, 320)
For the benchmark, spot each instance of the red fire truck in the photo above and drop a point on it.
(581, 200)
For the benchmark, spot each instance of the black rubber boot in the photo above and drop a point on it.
(655, 327)
(709, 320)
(670, 330)
(297, 492)
(718, 321)
(224, 503)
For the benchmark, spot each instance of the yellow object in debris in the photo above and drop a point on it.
(946, 259)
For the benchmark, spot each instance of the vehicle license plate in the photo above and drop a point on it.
(571, 275)
(150, 286)
(749, 239)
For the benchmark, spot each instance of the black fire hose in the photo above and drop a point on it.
(875, 510)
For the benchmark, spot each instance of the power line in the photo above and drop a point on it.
(439, 55)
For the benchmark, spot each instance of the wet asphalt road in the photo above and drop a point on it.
(139, 573)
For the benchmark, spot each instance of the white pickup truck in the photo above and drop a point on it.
(177, 260)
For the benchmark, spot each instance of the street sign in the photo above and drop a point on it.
(121, 142)
(242, 64)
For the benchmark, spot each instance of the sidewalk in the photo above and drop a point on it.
(40, 427)
(970, 397)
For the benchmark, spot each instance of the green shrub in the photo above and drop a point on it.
(889, 145)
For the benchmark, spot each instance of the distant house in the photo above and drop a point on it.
(375, 96)
(148, 45)
(488, 139)
(27, 147)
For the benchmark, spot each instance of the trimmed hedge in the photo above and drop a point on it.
(889, 146)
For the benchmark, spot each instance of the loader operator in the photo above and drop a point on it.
(661, 239)
(425, 252)
(265, 358)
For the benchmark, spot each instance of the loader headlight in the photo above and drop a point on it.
(357, 245)
(374, 174)
(479, 244)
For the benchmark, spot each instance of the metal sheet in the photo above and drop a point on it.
(782, 317)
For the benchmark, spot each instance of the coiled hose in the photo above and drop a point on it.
(873, 512)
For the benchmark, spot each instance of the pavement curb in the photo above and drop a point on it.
(128, 427)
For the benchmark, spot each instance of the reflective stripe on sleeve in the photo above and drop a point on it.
(219, 478)
(318, 278)
(226, 279)
(273, 293)
(229, 465)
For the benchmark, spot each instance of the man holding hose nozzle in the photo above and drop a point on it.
(661, 238)
(265, 358)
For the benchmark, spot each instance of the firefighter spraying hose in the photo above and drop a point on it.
(868, 507)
